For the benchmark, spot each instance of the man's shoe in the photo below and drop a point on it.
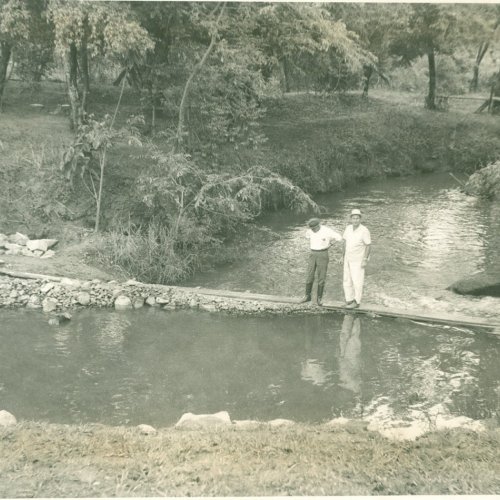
(307, 296)
(347, 302)
(352, 305)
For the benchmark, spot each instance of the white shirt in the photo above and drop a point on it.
(322, 238)
(355, 242)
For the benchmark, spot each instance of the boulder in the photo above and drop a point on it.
(48, 254)
(138, 303)
(47, 287)
(34, 302)
(122, 303)
(478, 284)
(26, 252)
(37, 245)
(49, 304)
(151, 301)
(69, 283)
(192, 421)
(7, 419)
(146, 429)
(83, 298)
(18, 238)
(13, 249)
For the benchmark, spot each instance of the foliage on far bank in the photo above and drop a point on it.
(485, 183)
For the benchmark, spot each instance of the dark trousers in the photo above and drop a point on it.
(318, 262)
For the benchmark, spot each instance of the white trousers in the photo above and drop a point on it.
(354, 277)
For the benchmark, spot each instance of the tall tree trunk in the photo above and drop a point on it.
(286, 74)
(85, 57)
(494, 106)
(182, 107)
(5, 52)
(481, 51)
(430, 101)
(367, 73)
(76, 113)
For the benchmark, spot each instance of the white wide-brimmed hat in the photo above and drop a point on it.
(356, 211)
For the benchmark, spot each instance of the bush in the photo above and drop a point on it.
(485, 182)
(147, 254)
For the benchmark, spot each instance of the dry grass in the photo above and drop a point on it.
(65, 461)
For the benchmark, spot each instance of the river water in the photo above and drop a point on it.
(425, 234)
(150, 365)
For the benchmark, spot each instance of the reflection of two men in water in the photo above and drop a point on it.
(349, 358)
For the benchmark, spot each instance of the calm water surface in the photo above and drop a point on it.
(426, 235)
(150, 366)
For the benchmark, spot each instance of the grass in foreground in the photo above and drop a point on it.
(46, 460)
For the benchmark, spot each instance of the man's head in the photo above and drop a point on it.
(314, 224)
(355, 217)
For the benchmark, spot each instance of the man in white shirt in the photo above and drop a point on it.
(357, 243)
(320, 239)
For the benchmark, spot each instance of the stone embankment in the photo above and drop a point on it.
(20, 244)
(57, 295)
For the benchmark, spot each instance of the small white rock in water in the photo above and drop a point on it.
(122, 303)
(192, 421)
(83, 298)
(7, 419)
(2, 262)
(138, 303)
(162, 300)
(151, 301)
(49, 304)
(146, 429)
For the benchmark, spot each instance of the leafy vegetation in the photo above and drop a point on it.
(180, 131)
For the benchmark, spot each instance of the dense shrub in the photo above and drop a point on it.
(485, 182)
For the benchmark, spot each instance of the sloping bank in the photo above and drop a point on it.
(324, 143)
(50, 460)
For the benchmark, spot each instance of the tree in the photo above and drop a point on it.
(14, 29)
(105, 29)
(218, 12)
(296, 36)
(428, 29)
(484, 21)
(87, 156)
(376, 25)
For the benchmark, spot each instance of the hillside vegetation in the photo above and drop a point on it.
(320, 142)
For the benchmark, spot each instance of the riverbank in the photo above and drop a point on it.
(322, 143)
(55, 295)
(51, 460)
